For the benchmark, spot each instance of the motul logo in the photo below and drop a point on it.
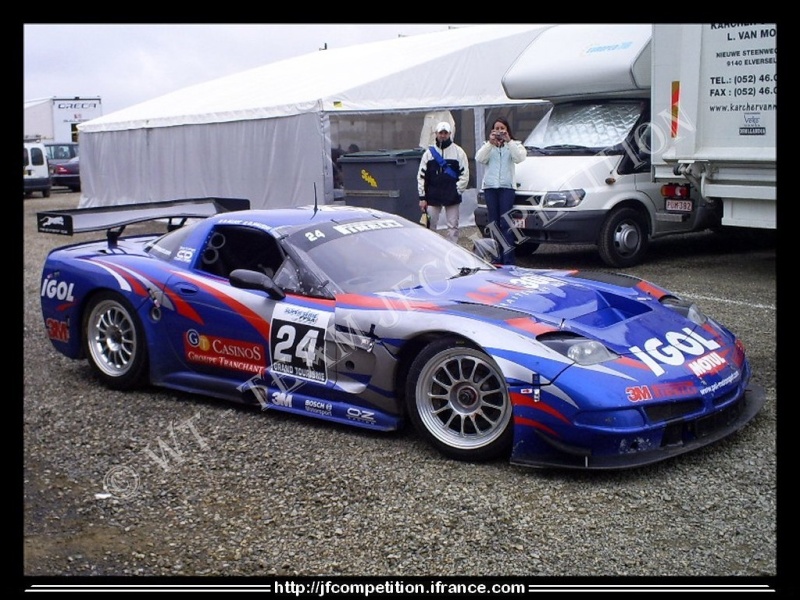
(710, 363)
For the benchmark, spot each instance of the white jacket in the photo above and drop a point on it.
(500, 161)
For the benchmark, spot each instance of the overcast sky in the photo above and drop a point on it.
(126, 64)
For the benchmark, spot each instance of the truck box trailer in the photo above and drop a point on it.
(590, 175)
(715, 86)
(57, 119)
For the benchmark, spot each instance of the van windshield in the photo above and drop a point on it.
(585, 126)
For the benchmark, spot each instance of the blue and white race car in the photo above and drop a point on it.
(361, 317)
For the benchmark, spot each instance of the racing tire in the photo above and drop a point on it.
(457, 400)
(114, 342)
(623, 238)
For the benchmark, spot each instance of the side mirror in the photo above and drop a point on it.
(487, 248)
(253, 280)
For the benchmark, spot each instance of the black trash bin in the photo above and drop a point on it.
(383, 179)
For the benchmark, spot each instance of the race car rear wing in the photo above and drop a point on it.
(114, 218)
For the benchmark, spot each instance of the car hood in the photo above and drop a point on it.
(622, 312)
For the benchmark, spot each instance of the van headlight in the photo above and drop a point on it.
(563, 199)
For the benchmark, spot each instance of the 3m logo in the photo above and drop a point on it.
(638, 393)
(282, 399)
(57, 330)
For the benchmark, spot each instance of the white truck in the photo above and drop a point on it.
(716, 86)
(57, 119)
(596, 170)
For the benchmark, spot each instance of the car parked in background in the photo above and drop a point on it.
(67, 174)
(35, 170)
(59, 153)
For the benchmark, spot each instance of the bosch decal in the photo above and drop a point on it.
(319, 407)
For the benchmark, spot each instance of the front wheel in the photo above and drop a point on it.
(457, 400)
(623, 238)
(114, 341)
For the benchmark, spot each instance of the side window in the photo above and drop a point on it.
(37, 156)
(637, 151)
(232, 247)
(25, 162)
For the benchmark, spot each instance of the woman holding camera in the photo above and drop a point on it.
(500, 154)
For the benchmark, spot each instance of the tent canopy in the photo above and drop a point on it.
(265, 133)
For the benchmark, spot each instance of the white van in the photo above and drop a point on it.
(588, 177)
(35, 170)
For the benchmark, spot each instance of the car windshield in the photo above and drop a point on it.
(382, 255)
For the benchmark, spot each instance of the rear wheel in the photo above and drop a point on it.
(45, 193)
(623, 238)
(114, 341)
(457, 400)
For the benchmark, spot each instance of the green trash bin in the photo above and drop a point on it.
(383, 179)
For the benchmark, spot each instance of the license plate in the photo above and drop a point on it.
(519, 223)
(679, 205)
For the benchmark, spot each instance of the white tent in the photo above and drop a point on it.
(266, 134)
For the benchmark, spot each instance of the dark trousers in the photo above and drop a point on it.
(499, 202)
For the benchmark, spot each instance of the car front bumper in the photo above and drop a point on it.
(534, 448)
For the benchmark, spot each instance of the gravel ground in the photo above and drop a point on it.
(205, 488)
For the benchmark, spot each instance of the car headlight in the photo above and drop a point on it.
(578, 349)
(688, 309)
(563, 199)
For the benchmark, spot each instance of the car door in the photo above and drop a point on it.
(230, 335)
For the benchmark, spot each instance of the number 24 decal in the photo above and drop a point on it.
(305, 350)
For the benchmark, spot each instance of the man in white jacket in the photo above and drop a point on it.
(441, 179)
